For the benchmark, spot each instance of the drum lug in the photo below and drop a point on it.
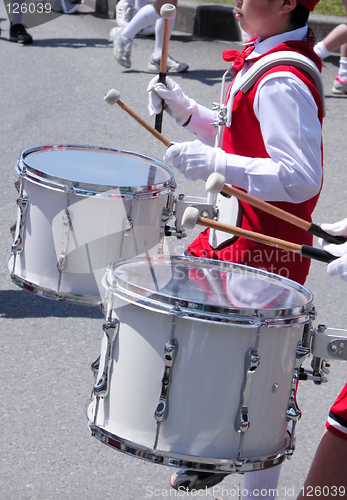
(17, 246)
(170, 352)
(169, 358)
(95, 366)
(111, 329)
(252, 361)
(293, 412)
(18, 185)
(13, 229)
(64, 242)
(291, 445)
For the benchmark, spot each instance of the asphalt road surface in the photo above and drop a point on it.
(52, 93)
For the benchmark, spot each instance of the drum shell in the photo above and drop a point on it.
(205, 390)
(85, 265)
(105, 222)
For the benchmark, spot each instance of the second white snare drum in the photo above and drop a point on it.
(80, 208)
(197, 363)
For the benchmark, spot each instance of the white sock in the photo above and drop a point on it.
(321, 50)
(159, 33)
(343, 68)
(261, 484)
(144, 17)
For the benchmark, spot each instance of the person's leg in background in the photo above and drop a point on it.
(18, 32)
(123, 38)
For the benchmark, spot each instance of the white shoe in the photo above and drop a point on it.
(172, 66)
(112, 34)
(122, 48)
(124, 13)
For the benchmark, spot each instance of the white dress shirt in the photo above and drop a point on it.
(291, 130)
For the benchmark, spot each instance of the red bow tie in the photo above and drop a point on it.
(238, 57)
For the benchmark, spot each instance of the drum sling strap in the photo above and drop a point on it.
(246, 82)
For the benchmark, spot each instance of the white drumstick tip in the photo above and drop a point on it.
(215, 183)
(112, 97)
(190, 217)
(168, 11)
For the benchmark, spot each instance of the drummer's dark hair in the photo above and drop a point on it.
(299, 16)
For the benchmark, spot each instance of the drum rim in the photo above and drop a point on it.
(30, 286)
(194, 310)
(88, 189)
(207, 464)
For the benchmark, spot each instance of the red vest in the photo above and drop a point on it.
(244, 138)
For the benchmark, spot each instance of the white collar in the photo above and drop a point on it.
(261, 47)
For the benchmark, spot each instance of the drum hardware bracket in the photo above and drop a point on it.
(171, 231)
(242, 421)
(329, 343)
(111, 329)
(215, 213)
(317, 375)
(222, 116)
(181, 203)
(317, 379)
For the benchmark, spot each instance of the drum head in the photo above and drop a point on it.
(91, 170)
(209, 289)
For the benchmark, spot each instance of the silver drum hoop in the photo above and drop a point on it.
(83, 300)
(154, 187)
(204, 464)
(116, 282)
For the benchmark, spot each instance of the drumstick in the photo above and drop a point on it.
(191, 217)
(167, 11)
(113, 97)
(216, 184)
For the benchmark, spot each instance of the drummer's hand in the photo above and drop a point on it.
(196, 160)
(339, 266)
(176, 103)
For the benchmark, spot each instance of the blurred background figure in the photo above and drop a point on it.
(65, 6)
(336, 38)
(125, 11)
(123, 37)
(18, 33)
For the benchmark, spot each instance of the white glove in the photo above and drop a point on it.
(196, 160)
(337, 229)
(176, 103)
(339, 266)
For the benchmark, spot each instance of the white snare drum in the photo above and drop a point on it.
(197, 363)
(80, 208)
